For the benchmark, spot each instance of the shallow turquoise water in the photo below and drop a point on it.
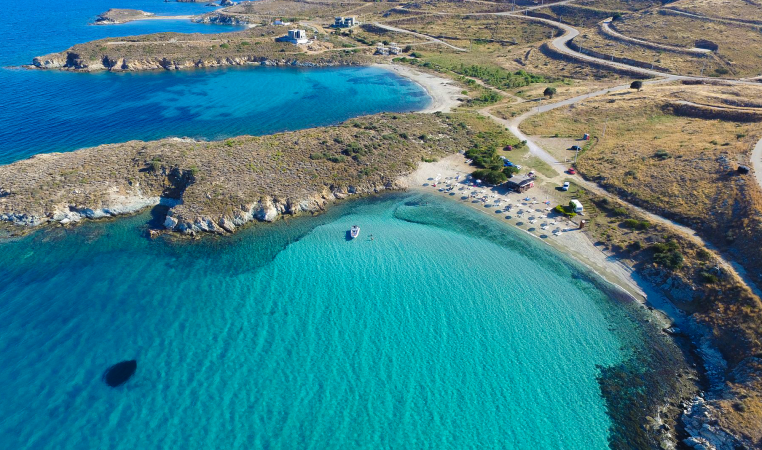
(448, 330)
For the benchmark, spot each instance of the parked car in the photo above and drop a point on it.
(572, 171)
(565, 187)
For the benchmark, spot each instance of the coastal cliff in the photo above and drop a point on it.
(175, 51)
(218, 186)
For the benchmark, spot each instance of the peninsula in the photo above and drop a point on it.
(646, 113)
(219, 186)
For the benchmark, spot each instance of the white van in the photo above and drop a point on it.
(578, 208)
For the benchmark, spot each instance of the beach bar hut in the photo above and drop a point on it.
(520, 184)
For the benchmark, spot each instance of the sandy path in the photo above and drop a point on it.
(444, 93)
(402, 30)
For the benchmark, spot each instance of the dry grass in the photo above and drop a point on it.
(461, 30)
(724, 9)
(368, 152)
(740, 48)
(593, 40)
(691, 181)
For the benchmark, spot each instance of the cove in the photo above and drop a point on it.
(446, 331)
(61, 111)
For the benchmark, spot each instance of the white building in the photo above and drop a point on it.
(381, 50)
(295, 37)
(394, 49)
(345, 22)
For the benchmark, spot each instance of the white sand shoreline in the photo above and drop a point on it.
(445, 94)
(573, 243)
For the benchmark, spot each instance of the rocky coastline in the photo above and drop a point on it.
(216, 187)
(175, 51)
(221, 18)
(72, 62)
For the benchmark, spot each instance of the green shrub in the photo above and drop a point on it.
(498, 76)
(708, 278)
(490, 176)
(662, 155)
(566, 210)
(619, 211)
(336, 159)
(634, 224)
(666, 254)
(224, 45)
(703, 254)
(510, 171)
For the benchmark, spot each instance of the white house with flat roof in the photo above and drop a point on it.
(345, 22)
(295, 37)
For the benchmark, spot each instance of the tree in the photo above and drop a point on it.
(637, 84)
(549, 92)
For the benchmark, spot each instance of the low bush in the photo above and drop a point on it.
(667, 254)
(566, 210)
(708, 278)
(490, 176)
(635, 224)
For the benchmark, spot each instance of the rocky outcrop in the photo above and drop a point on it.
(116, 16)
(175, 51)
(73, 61)
(217, 187)
(221, 18)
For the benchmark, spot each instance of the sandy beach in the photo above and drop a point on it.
(445, 94)
(531, 217)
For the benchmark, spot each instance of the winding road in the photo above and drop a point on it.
(560, 44)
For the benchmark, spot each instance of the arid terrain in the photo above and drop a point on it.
(669, 93)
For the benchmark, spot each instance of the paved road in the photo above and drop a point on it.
(606, 27)
(560, 167)
(560, 44)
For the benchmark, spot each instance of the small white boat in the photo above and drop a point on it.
(354, 231)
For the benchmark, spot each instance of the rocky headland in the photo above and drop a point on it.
(174, 51)
(116, 16)
(219, 186)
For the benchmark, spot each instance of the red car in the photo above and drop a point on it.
(572, 171)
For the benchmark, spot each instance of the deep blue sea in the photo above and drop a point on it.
(50, 111)
(449, 330)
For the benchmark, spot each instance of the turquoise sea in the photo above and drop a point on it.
(448, 330)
